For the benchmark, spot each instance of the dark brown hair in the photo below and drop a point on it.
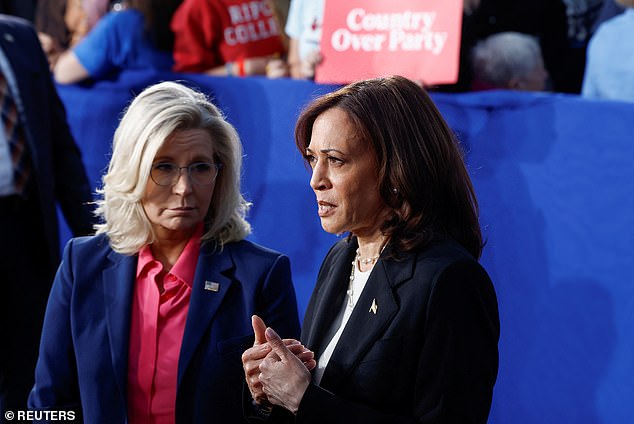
(157, 15)
(422, 175)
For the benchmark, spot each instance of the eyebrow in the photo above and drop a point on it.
(199, 158)
(309, 150)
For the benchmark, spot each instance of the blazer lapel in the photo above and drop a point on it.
(209, 289)
(328, 302)
(118, 285)
(371, 316)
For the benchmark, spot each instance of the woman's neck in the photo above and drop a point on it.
(370, 249)
(167, 252)
(169, 245)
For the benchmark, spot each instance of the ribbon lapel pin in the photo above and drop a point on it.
(374, 307)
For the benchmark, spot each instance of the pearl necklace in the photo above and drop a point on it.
(363, 261)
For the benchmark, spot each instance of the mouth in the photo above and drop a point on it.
(182, 209)
(325, 209)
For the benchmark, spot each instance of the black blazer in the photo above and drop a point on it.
(426, 354)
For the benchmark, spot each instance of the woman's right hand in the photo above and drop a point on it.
(253, 357)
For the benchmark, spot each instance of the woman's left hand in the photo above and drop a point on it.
(283, 376)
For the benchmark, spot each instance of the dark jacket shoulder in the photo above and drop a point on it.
(251, 250)
(436, 254)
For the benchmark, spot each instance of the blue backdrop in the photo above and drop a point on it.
(555, 184)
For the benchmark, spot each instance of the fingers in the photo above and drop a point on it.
(258, 328)
(284, 380)
(277, 345)
(251, 359)
(296, 349)
(262, 351)
(305, 355)
(310, 364)
(258, 352)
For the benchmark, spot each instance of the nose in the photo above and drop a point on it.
(319, 179)
(184, 183)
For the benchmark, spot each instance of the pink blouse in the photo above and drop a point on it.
(156, 334)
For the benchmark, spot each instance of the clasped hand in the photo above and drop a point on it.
(277, 371)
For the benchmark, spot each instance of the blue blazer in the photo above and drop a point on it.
(84, 349)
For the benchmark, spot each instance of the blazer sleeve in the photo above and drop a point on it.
(277, 304)
(56, 386)
(456, 367)
(277, 307)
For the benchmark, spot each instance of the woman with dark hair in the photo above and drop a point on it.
(403, 320)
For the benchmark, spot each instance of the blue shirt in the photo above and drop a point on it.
(610, 63)
(118, 42)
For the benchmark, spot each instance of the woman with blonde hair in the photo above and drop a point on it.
(147, 320)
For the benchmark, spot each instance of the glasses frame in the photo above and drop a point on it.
(177, 176)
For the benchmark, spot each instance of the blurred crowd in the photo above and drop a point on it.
(568, 46)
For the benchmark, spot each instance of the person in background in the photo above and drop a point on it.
(234, 38)
(61, 24)
(508, 60)
(40, 165)
(609, 70)
(95, 9)
(609, 9)
(403, 320)
(545, 19)
(582, 16)
(147, 320)
(277, 67)
(280, 10)
(303, 27)
(137, 37)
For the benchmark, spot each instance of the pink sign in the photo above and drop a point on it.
(418, 39)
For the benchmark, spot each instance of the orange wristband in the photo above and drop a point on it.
(241, 68)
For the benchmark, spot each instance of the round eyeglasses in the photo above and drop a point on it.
(199, 173)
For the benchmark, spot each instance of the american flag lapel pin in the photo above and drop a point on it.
(212, 286)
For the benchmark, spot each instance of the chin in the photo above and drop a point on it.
(181, 225)
(332, 229)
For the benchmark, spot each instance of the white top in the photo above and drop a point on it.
(6, 165)
(360, 278)
(305, 18)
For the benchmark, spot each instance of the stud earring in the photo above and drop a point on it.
(394, 191)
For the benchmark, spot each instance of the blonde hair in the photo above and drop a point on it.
(151, 119)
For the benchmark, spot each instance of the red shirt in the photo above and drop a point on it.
(156, 334)
(210, 33)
